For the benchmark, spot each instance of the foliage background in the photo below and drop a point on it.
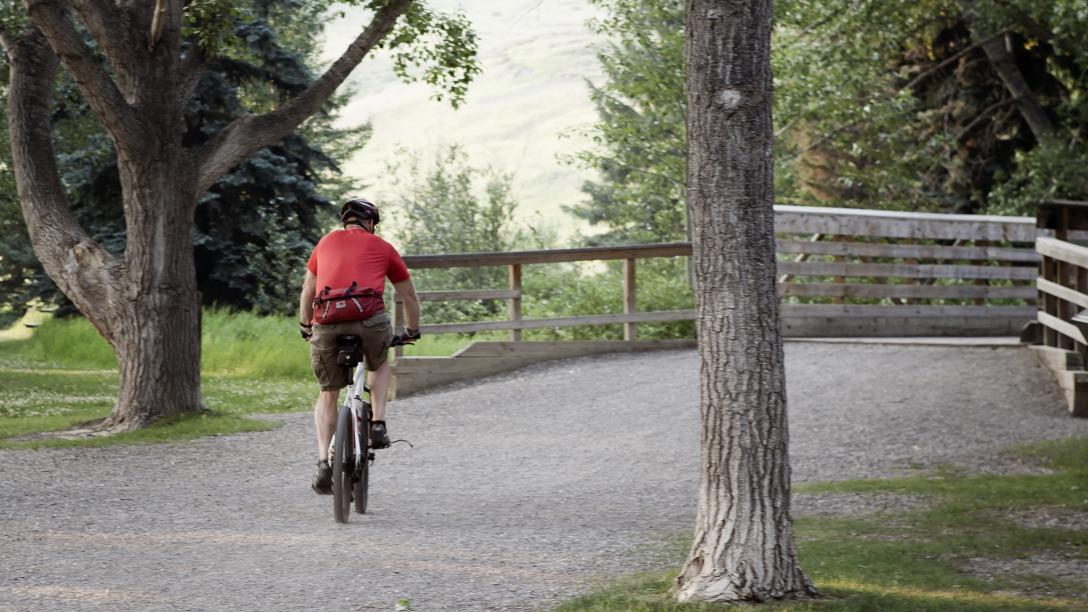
(907, 116)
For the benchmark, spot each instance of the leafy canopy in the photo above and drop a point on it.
(878, 104)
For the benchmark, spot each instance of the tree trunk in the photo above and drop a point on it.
(158, 343)
(744, 548)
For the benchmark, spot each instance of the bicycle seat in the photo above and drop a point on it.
(348, 340)
(350, 353)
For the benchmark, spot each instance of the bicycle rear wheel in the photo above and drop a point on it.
(342, 467)
(362, 482)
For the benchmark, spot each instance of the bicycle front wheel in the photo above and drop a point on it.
(342, 466)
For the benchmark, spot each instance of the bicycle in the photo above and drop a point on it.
(351, 462)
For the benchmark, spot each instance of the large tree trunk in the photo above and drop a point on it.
(744, 547)
(158, 342)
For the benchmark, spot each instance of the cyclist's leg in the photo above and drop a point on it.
(379, 388)
(378, 334)
(331, 376)
(325, 411)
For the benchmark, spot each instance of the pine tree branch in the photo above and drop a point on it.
(96, 85)
(249, 134)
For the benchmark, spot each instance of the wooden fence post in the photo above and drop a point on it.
(515, 302)
(911, 261)
(630, 330)
(1080, 283)
(1050, 303)
(981, 282)
(840, 280)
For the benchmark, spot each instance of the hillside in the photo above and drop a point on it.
(519, 115)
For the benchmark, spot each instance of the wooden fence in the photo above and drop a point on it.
(1062, 334)
(842, 272)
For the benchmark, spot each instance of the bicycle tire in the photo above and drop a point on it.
(362, 483)
(362, 486)
(342, 467)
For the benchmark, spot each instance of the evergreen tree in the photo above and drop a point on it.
(640, 135)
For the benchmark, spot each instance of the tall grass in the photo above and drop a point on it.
(259, 346)
(61, 343)
(233, 343)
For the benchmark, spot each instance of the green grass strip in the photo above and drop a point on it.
(184, 428)
(917, 560)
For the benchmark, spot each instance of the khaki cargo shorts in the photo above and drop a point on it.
(376, 334)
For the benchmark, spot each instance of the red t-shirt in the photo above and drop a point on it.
(355, 254)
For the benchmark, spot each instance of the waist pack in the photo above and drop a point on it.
(348, 304)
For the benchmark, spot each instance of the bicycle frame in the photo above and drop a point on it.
(360, 408)
(359, 405)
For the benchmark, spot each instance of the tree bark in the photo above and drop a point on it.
(744, 548)
(159, 353)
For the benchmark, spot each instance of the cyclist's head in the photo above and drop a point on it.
(358, 211)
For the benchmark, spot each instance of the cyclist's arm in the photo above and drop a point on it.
(407, 290)
(306, 300)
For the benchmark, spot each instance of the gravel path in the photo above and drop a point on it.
(522, 489)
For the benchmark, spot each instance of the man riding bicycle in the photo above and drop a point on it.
(342, 295)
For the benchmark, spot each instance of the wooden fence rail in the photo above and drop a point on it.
(843, 256)
(842, 272)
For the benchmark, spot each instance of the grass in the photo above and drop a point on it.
(912, 560)
(65, 374)
(48, 399)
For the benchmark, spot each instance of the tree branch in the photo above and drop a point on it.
(249, 134)
(83, 270)
(158, 20)
(962, 52)
(111, 30)
(983, 116)
(100, 91)
(1026, 101)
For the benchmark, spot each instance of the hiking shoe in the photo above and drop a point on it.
(378, 436)
(322, 483)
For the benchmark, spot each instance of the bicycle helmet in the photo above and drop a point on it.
(360, 208)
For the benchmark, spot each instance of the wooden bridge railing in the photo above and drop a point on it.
(1063, 298)
(843, 272)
